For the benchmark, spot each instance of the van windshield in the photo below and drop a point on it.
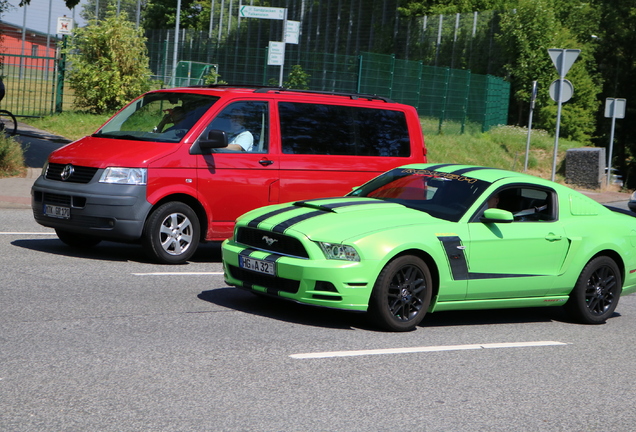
(161, 116)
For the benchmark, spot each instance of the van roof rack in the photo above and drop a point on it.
(266, 89)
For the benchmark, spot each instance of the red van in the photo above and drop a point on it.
(177, 166)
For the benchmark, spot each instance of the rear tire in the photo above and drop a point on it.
(401, 294)
(596, 293)
(171, 234)
(75, 240)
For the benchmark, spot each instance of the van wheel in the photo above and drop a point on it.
(76, 240)
(171, 234)
(401, 294)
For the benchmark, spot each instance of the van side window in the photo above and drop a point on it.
(342, 130)
(246, 125)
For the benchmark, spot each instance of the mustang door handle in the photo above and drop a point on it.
(553, 237)
(265, 162)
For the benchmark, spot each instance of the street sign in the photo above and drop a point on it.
(292, 32)
(276, 53)
(566, 92)
(615, 108)
(64, 25)
(262, 12)
(563, 59)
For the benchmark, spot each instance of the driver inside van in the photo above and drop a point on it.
(239, 138)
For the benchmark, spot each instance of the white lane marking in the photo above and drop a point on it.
(27, 233)
(179, 274)
(424, 349)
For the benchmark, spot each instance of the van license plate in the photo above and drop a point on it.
(257, 265)
(57, 211)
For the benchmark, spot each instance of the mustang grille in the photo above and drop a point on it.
(270, 241)
(80, 174)
(270, 282)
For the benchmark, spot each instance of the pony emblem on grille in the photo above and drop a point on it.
(270, 241)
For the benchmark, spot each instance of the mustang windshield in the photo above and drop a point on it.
(442, 195)
(162, 116)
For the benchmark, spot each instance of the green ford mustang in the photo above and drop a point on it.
(426, 238)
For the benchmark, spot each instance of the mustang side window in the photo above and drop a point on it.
(526, 204)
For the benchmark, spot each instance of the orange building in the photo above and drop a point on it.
(26, 48)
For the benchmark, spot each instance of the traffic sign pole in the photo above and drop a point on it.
(280, 77)
(563, 60)
(614, 108)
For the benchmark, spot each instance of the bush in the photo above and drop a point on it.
(11, 157)
(108, 64)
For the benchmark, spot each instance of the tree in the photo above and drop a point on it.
(127, 6)
(69, 3)
(103, 75)
(616, 58)
(526, 33)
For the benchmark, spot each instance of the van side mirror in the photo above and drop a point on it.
(214, 139)
(495, 215)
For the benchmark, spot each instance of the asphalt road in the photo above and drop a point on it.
(106, 341)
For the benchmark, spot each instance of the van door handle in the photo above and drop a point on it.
(265, 162)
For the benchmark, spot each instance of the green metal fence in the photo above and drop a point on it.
(456, 98)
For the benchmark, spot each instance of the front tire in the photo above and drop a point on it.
(171, 234)
(596, 293)
(401, 294)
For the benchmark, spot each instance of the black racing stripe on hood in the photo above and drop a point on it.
(311, 203)
(281, 227)
(254, 222)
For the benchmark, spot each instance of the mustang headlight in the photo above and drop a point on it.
(338, 251)
(127, 176)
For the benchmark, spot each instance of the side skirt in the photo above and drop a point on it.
(498, 303)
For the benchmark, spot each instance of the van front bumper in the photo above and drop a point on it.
(108, 211)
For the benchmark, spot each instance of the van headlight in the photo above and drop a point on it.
(336, 251)
(45, 168)
(127, 176)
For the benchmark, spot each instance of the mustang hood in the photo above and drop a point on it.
(335, 219)
(104, 152)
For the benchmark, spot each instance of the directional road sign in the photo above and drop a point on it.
(615, 108)
(262, 12)
(276, 53)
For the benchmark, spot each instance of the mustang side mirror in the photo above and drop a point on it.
(494, 215)
(215, 139)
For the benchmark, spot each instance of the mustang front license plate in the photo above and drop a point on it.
(57, 211)
(257, 265)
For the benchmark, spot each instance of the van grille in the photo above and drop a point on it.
(271, 242)
(80, 174)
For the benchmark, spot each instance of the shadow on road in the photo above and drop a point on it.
(111, 251)
(288, 311)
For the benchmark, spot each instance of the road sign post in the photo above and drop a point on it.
(275, 54)
(614, 108)
(533, 98)
(563, 60)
